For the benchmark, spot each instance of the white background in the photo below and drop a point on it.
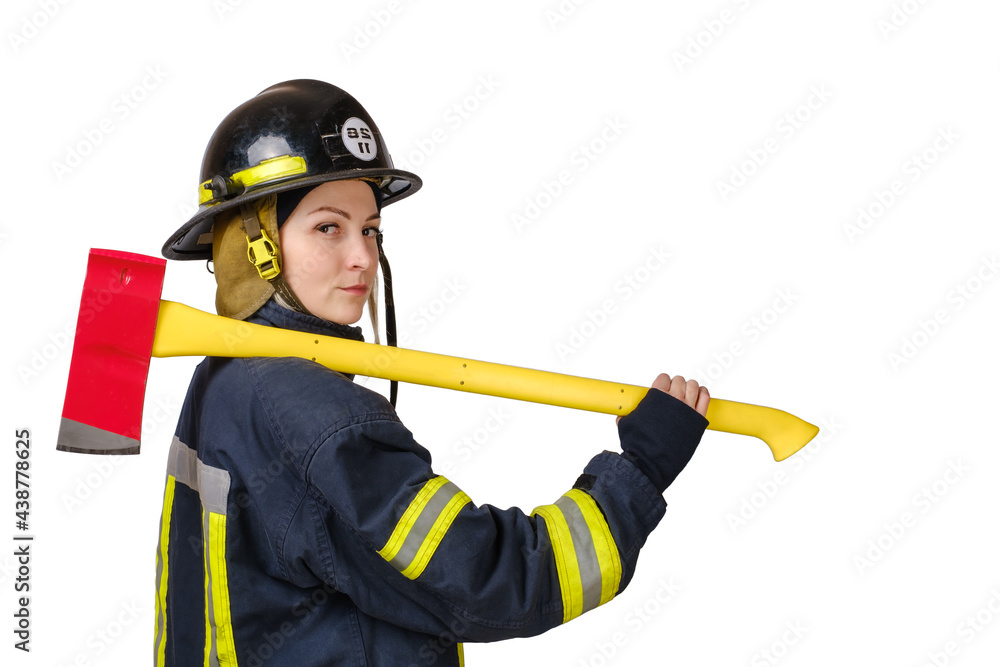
(878, 544)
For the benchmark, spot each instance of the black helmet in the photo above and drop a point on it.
(294, 134)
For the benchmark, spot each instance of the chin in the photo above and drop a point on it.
(341, 317)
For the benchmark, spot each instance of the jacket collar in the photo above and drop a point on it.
(271, 314)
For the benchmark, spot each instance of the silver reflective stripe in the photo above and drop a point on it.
(83, 438)
(586, 554)
(422, 526)
(182, 463)
(212, 486)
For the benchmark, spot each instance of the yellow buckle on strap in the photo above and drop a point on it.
(263, 254)
(273, 169)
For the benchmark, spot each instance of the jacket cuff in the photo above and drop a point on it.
(660, 436)
(622, 490)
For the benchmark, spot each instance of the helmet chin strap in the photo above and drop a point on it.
(263, 253)
(390, 311)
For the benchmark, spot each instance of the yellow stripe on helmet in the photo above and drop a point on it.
(273, 169)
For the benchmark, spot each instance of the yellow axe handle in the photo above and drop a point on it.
(185, 331)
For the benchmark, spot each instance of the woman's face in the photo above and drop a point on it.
(329, 251)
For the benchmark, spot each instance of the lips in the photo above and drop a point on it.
(357, 290)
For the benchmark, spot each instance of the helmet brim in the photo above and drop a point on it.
(193, 240)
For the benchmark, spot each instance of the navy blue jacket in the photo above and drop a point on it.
(304, 526)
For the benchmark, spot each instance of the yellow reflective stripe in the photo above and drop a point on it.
(586, 556)
(566, 564)
(608, 557)
(225, 647)
(267, 170)
(423, 525)
(219, 648)
(405, 524)
(436, 534)
(162, 570)
(461, 655)
(209, 652)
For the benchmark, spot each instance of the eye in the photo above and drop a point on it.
(370, 232)
(327, 227)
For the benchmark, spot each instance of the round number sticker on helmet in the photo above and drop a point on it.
(359, 139)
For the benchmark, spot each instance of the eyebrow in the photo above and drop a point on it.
(341, 212)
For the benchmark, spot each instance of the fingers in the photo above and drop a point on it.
(689, 391)
(703, 400)
(662, 382)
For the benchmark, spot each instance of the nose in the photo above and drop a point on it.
(359, 255)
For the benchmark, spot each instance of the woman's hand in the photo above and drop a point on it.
(688, 391)
(660, 435)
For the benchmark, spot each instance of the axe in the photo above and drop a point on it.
(123, 322)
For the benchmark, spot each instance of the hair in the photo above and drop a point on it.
(373, 307)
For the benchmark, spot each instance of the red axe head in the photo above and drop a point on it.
(114, 338)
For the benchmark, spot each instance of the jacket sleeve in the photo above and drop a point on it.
(408, 546)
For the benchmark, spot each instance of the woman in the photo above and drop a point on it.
(302, 524)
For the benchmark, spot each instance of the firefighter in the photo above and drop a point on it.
(302, 524)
